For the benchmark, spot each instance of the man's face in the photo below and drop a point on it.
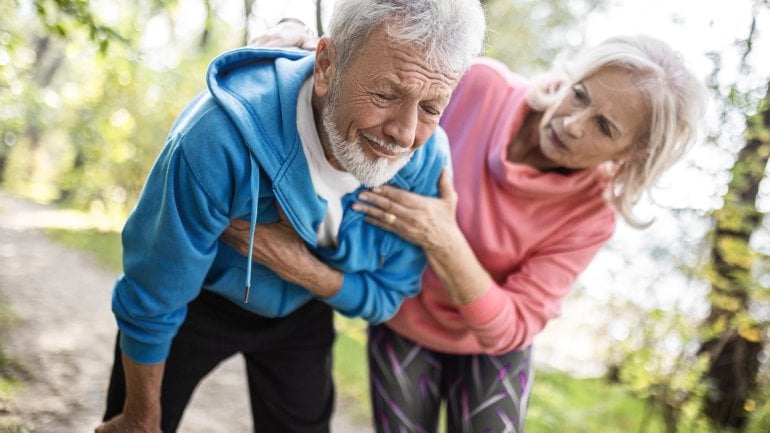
(385, 105)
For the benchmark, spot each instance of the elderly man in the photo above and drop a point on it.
(284, 141)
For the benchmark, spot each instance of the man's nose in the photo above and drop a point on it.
(401, 128)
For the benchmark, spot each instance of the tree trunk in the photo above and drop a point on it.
(319, 25)
(732, 338)
(248, 6)
(207, 26)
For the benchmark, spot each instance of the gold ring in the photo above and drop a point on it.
(391, 218)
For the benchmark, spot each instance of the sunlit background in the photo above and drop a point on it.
(88, 93)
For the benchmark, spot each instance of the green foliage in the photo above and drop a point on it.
(62, 17)
(86, 130)
(759, 405)
(658, 363)
(528, 35)
(89, 106)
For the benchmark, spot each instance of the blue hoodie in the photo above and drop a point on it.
(231, 145)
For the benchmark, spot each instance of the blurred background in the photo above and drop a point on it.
(668, 329)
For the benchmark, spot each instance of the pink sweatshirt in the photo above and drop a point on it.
(533, 231)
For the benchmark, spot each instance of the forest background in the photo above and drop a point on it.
(668, 328)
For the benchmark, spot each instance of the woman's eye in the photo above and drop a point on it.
(580, 93)
(604, 127)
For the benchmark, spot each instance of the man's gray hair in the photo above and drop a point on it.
(450, 33)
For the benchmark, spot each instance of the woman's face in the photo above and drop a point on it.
(598, 120)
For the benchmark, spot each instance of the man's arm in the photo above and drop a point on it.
(281, 249)
(141, 411)
(170, 241)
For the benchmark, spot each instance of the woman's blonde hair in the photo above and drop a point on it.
(675, 96)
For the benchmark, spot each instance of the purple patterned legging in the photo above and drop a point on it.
(483, 393)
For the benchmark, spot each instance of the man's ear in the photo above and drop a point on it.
(323, 70)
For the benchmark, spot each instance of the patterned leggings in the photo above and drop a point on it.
(483, 393)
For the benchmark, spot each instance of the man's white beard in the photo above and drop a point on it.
(351, 155)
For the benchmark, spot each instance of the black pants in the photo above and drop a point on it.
(288, 363)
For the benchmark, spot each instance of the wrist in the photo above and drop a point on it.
(319, 278)
(448, 246)
(146, 414)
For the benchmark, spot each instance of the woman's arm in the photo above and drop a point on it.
(430, 223)
(288, 32)
(503, 315)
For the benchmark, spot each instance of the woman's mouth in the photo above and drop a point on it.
(556, 140)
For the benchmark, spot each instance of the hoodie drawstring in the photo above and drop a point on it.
(254, 209)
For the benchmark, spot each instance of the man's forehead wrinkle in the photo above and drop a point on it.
(432, 89)
(414, 61)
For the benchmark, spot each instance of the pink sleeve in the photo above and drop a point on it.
(509, 315)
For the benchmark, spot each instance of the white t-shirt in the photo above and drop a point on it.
(330, 184)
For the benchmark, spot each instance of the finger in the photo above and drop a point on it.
(309, 43)
(380, 224)
(376, 199)
(386, 203)
(376, 214)
(239, 224)
(397, 196)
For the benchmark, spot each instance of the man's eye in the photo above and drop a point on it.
(385, 96)
(431, 110)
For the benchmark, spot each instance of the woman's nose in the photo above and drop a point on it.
(574, 124)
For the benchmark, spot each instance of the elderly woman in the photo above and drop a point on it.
(540, 172)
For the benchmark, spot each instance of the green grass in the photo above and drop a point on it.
(351, 372)
(10, 384)
(585, 405)
(104, 245)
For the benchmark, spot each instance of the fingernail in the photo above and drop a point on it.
(377, 189)
(357, 207)
(363, 196)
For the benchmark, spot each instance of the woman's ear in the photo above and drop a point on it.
(323, 70)
(637, 153)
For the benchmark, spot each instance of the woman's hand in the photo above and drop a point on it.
(289, 32)
(278, 246)
(430, 223)
(425, 221)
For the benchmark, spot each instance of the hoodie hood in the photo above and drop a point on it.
(244, 83)
(258, 89)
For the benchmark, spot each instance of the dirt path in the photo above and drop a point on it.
(65, 334)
